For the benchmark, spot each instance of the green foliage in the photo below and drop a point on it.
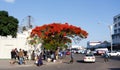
(51, 46)
(8, 24)
(54, 44)
(4, 13)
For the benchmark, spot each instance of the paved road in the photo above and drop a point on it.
(113, 64)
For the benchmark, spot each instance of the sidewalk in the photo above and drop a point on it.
(6, 63)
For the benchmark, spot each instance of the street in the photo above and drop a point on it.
(113, 64)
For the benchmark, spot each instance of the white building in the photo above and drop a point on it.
(116, 34)
(97, 44)
(8, 43)
(78, 47)
(91, 44)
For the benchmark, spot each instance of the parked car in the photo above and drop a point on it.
(74, 50)
(80, 51)
(114, 53)
(67, 52)
(94, 52)
(101, 51)
(89, 58)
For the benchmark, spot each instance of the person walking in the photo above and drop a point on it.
(13, 57)
(72, 59)
(16, 51)
(33, 55)
(106, 56)
(40, 62)
(21, 56)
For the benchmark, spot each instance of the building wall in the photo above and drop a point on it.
(97, 44)
(7, 44)
(21, 42)
(116, 35)
(92, 44)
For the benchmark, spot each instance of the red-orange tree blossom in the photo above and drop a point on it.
(54, 34)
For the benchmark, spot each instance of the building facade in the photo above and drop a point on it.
(116, 30)
(8, 43)
(98, 44)
(20, 42)
(93, 44)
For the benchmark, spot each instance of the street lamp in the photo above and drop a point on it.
(111, 27)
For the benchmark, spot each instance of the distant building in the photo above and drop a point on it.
(78, 47)
(116, 34)
(93, 44)
(97, 44)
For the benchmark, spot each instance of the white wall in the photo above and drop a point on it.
(7, 44)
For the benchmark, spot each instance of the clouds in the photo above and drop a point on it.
(9, 1)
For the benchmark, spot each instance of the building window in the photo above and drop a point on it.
(119, 36)
(115, 31)
(119, 30)
(115, 19)
(119, 18)
(119, 23)
(113, 37)
(116, 36)
(115, 25)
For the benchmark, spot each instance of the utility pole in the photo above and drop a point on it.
(110, 27)
(29, 22)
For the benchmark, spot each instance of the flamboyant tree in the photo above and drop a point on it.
(55, 35)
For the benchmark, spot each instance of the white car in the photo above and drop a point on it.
(89, 58)
(114, 53)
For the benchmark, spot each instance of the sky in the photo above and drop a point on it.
(93, 16)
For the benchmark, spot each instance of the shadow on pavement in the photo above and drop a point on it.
(115, 58)
(114, 68)
(80, 61)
